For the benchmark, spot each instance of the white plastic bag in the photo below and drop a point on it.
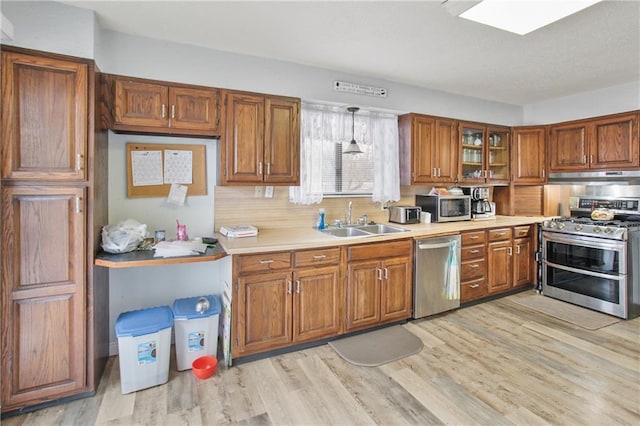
(123, 237)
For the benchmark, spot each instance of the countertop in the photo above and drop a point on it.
(296, 238)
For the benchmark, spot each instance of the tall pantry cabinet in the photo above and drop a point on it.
(54, 318)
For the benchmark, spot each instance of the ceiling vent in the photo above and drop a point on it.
(359, 89)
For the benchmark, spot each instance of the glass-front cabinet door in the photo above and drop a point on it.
(485, 154)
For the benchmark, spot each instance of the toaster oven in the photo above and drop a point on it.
(404, 214)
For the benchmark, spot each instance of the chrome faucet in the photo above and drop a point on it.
(349, 213)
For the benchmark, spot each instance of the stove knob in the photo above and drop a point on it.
(597, 229)
(552, 224)
(578, 227)
(608, 230)
(560, 225)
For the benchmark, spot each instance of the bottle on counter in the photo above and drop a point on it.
(321, 224)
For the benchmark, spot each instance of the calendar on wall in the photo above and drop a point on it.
(153, 168)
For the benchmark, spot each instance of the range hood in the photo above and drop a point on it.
(618, 177)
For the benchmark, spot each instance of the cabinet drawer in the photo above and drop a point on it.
(472, 269)
(264, 262)
(380, 250)
(316, 257)
(472, 238)
(472, 290)
(473, 252)
(499, 234)
(522, 231)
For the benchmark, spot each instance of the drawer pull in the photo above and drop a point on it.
(475, 265)
(298, 286)
(474, 285)
(288, 286)
(500, 234)
(474, 237)
(319, 257)
(266, 262)
(474, 251)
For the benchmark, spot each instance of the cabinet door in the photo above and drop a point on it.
(141, 104)
(316, 304)
(363, 294)
(497, 158)
(445, 151)
(44, 118)
(264, 317)
(396, 291)
(422, 141)
(244, 138)
(568, 147)
(194, 109)
(282, 141)
(43, 294)
(529, 155)
(615, 143)
(523, 262)
(472, 160)
(499, 266)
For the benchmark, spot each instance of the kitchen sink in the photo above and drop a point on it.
(362, 230)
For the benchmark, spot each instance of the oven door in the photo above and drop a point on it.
(587, 271)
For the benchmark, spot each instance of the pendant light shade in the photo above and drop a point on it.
(353, 147)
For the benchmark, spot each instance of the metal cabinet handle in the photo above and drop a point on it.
(543, 173)
(173, 111)
(268, 168)
(474, 237)
(78, 206)
(164, 111)
(584, 159)
(266, 261)
(386, 273)
(79, 162)
(474, 286)
(474, 265)
(260, 168)
(319, 257)
(509, 251)
(288, 286)
(518, 249)
(474, 251)
(379, 271)
(591, 159)
(298, 286)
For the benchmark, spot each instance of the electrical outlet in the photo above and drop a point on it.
(258, 193)
(268, 192)
(383, 207)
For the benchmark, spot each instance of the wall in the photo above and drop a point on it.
(621, 98)
(52, 27)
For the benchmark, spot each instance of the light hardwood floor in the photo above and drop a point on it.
(497, 363)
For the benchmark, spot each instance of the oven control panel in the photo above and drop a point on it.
(618, 205)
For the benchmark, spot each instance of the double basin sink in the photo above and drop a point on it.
(362, 230)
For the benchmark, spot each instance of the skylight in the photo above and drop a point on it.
(523, 16)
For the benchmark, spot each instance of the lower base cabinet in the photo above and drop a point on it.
(379, 283)
(285, 298)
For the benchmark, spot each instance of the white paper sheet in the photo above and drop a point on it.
(178, 166)
(177, 194)
(146, 168)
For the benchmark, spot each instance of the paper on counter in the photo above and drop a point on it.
(179, 248)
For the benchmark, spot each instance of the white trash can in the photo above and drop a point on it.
(144, 347)
(196, 324)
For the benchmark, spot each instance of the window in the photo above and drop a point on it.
(325, 170)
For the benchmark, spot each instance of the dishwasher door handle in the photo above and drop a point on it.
(425, 246)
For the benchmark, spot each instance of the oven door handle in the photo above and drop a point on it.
(584, 271)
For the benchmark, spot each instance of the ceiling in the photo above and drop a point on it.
(417, 43)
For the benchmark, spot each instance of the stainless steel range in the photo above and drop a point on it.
(594, 263)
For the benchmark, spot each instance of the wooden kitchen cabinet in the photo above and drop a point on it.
(379, 283)
(54, 304)
(602, 143)
(284, 298)
(499, 260)
(261, 143)
(150, 106)
(523, 253)
(529, 155)
(428, 149)
(44, 99)
(484, 154)
(473, 266)
(43, 294)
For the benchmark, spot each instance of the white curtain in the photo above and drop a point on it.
(325, 123)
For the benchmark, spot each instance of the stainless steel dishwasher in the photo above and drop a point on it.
(436, 278)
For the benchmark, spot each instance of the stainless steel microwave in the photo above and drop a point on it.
(445, 208)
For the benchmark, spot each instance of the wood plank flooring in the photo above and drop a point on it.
(497, 363)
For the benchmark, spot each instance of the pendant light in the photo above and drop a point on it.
(353, 147)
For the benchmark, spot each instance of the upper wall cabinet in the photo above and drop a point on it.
(609, 142)
(261, 143)
(529, 155)
(44, 118)
(148, 106)
(485, 154)
(428, 149)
